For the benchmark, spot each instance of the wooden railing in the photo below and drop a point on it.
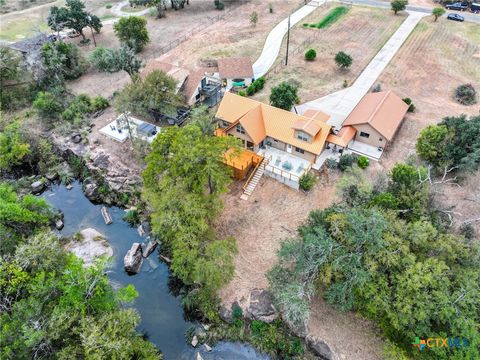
(262, 160)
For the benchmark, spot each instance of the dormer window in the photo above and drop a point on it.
(302, 136)
(240, 129)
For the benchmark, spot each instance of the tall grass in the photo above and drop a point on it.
(332, 16)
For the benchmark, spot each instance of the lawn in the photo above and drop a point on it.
(332, 16)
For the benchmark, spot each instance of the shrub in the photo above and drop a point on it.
(408, 101)
(332, 16)
(242, 93)
(270, 8)
(99, 103)
(47, 106)
(345, 83)
(78, 108)
(343, 60)
(132, 217)
(307, 180)
(108, 6)
(345, 161)
(251, 89)
(254, 18)
(466, 94)
(331, 163)
(310, 55)
(256, 86)
(219, 5)
(363, 162)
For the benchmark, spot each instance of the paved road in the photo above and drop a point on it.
(470, 17)
(274, 39)
(341, 103)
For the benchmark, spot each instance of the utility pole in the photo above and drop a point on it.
(288, 41)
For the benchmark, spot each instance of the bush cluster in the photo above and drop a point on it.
(256, 86)
(408, 101)
(363, 162)
(307, 181)
(310, 55)
(466, 94)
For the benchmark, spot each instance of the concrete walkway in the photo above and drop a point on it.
(274, 39)
(341, 103)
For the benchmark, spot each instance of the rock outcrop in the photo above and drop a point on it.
(151, 246)
(133, 259)
(37, 187)
(261, 306)
(92, 245)
(321, 349)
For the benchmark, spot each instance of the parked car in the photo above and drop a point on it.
(455, 17)
(457, 6)
(475, 8)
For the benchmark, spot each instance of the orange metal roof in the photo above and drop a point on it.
(263, 120)
(310, 126)
(317, 115)
(383, 111)
(344, 136)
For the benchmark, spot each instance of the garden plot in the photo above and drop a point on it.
(361, 33)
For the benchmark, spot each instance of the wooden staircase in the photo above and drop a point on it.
(253, 179)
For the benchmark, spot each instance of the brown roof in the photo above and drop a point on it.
(192, 83)
(316, 114)
(344, 136)
(260, 120)
(179, 74)
(230, 68)
(383, 111)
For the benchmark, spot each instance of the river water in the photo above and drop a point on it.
(162, 314)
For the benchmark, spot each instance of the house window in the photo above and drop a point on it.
(302, 136)
(364, 134)
(197, 97)
(301, 151)
(240, 129)
(225, 124)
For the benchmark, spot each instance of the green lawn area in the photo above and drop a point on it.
(18, 30)
(332, 16)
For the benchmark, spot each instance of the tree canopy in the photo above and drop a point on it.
(404, 273)
(132, 31)
(398, 5)
(284, 96)
(156, 92)
(13, 79)
(343, 60)
(454, 142)
(109, 60)
(13, 148)
(73, 16)
(182, 182)
(61, 61)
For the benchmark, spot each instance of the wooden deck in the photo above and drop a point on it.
(242, 162)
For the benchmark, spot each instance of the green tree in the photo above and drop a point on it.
(343, 60)
(398, 5)
(73, 16)
(20, 216)
(310, 55)
(132, 31)
(284, 96)
(156, 92)
(432, 142)
(61, 61)
(201, 117)
(13, 80)
(183, 180)
(13, 148)
(48, 107)
(438, 12)
(109, 60)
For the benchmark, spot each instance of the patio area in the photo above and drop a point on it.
(118, 129)
(331, 153)
(284, 164)
(369, 151)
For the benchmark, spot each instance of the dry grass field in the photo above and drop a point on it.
(360, 33)
(435, 59)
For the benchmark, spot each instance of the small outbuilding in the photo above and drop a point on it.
(235, 72)
(377, 118)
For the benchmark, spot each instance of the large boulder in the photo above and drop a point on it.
(320, 348)
(133, 259)
(151, 246)
(91, 244)
(90, 189)
(261, 306)
(37, 187)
